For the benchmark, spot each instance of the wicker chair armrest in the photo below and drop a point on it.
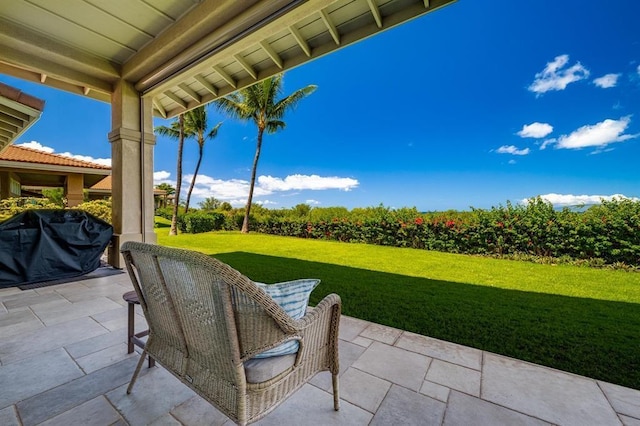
(322, 309)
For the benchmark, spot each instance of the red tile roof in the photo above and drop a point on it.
(29, 155)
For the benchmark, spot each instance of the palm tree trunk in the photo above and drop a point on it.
(245, 223)
(195, 173)
(174, 218)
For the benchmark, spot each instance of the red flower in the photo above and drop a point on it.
(451, 223)
(419, 221)
(500, 225)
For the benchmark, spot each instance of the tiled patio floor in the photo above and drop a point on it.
(63, 361)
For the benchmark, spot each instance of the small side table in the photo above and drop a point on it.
(134, 338)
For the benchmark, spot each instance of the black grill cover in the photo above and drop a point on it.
(43, 245)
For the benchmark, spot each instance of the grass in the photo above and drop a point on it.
(577, 319)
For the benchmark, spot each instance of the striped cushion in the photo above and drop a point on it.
(293, 297)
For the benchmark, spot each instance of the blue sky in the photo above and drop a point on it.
(473, 105)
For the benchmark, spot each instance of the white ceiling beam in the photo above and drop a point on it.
(330, 26)
(248, 68)
(175, 98)
(210, 87)
(272, 53)
(375, 12)
(158, 106)
(43, 78)
(426, 4)
(225, 76)
(301, 41)
(11, 119)
(86, 90)
(189, 91)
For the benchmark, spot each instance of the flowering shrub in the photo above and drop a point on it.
(608, 233)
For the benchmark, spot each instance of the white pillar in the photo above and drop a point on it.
(132, 142)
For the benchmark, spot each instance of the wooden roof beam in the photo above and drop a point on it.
(225, 76)
(210, 87)
(248, 68)
(272, 53)
(175, 98)
(158, 106)
(301, 41)
(375, 12)
(189, 91)
(330, 26)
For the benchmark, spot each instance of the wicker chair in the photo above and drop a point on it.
(207, 322)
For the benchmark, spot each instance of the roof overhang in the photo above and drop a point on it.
(182, 53)
(18, 112)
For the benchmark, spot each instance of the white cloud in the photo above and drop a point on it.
(556, 76)
(38, 146)
(510, 149)
(638, 69)
(312, 182)
(597, 135)
(606, 81)
(236, 191)
(313, 202)
(512, 161)
(162, 176)
(573, 200)
(535, 130)
(102, 161)
(266, 202)
(548, 142)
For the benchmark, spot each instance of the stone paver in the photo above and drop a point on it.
(310, 406)
(63, 356)
(196, 411)
(20, 380)
(394, 365)
(98, 411)
(381, 333)
(9, 417)
(624, 400)
(403, 407)
(362, 389)
(547, 394)
(455, 377)
(446, 351)
(464, 410)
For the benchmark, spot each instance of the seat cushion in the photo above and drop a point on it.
(258, 370)
(293, 297)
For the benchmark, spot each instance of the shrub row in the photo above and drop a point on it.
(608, 233)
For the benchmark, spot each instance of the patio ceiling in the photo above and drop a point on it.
(182, 53)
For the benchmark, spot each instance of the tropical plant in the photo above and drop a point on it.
(259, 104)
(54, 195)
(195, 122)
(167, 188)
(176, 131)
(210, 203)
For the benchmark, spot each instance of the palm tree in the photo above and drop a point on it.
(258, 103)
(196, 126)
(176, 131)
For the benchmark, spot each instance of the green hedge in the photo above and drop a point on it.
(608, 233)
(197, 222)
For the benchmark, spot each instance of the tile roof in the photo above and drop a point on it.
(105, 185)
(29, 155)
(17, 95)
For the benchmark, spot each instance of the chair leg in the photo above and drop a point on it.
(135, 373)
(336, 394)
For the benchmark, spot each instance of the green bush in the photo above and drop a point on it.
(99, 208)
(11, 206)
(604, 234)
(197, 222)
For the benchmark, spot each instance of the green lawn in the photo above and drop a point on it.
(576, 319)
